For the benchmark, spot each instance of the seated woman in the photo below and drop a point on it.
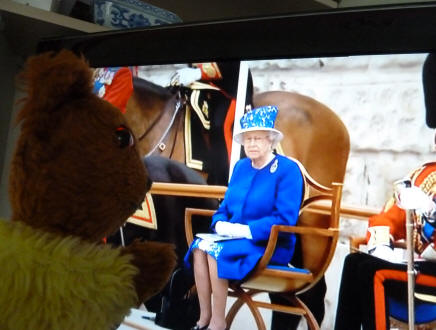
(265, 190)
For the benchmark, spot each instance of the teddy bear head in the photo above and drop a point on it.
(76, 168)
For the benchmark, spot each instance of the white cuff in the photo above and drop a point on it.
(414, 198)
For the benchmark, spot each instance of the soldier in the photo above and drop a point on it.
(368, 279)
(115, 85)
(220, 104)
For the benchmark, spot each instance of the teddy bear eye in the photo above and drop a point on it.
(124, 137)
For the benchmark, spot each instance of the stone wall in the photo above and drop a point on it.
(380, 100)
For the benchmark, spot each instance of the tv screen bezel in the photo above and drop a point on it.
(379, 30)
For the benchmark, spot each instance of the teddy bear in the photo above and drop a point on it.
(76, 176)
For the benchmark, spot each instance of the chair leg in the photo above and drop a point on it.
(236, 306)
(245, 298)
(310, 319)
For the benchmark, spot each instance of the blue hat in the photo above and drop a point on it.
(260, 119)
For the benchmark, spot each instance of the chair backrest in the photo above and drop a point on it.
(317, 251)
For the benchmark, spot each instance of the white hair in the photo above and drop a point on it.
(274, 137)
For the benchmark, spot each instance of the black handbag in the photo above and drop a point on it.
(179, 304)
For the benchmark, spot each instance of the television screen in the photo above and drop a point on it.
(378, 98)
(348, 85)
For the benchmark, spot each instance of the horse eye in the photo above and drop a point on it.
(124, 137)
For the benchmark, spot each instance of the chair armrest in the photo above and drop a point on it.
(189, 212)
(276, 229)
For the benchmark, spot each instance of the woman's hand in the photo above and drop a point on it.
(232, 229)
(223, 228)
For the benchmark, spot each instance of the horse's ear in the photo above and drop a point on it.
(52, 79)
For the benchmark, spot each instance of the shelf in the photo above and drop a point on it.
(24, 26)
(11, 7)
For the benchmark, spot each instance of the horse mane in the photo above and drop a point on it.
(144, 90)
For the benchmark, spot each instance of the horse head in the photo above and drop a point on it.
(152, 113)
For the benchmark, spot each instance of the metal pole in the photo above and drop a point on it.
(410, 268)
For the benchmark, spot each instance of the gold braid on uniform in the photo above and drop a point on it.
(427, 186)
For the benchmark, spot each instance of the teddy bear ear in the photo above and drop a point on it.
(51, 79)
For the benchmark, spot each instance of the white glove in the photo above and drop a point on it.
(379, 243)
(379, 235)
(414, 198)
(429, 253)
(232, 229)
(384, 252)
(241, 230)
(185, 76)
(223, 228)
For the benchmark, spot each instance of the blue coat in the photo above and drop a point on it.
(258, 198)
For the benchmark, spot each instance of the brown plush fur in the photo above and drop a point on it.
(69, 175)
(160, 260)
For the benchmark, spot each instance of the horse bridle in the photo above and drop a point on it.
(177, 107)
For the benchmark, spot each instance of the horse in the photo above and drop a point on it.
(313, 134)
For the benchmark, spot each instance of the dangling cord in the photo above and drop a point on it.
(122, 237)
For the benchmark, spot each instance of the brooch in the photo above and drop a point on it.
(274, 166)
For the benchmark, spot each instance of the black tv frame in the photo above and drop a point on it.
(361, 31)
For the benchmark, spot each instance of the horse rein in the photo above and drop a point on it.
(151, 126)
(177, 107)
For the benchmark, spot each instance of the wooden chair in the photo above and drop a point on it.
(318, 243)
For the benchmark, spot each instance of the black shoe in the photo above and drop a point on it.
(197, 327)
